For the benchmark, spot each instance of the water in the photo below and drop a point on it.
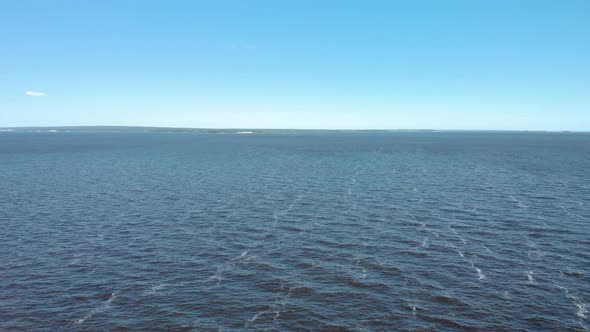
(360, 232)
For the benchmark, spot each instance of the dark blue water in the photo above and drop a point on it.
(360, 232)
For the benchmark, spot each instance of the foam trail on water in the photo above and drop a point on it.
(582, 311)
(424, 243)
(571, 213)
(580, 305)
(562, 288)
(518, 202)
(529, 275)
(154, 290)
(255, 317)
(413, 311)
(457, 233)
(96, 310)
(480, 274)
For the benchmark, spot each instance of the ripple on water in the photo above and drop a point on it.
(278, 232)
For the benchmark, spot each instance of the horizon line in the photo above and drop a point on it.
(281, 129)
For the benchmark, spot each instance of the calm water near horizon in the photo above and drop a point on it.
(411, 231)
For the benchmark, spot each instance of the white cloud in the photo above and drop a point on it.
(35, 94)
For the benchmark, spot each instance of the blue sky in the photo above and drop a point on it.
(296, 64)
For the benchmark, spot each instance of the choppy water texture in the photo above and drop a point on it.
(361, 232)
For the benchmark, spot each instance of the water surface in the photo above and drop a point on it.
(362, 232)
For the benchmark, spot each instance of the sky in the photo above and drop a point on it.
(320, 64)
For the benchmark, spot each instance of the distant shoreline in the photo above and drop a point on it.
(142, 129)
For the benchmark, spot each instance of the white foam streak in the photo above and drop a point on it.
(480, 274)
(424, 243)
(579, 303)
(530, 277)
(519, 203)
(154, 290)
(582, 311)
(413, 311)
(253, 319)
(94, 311)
